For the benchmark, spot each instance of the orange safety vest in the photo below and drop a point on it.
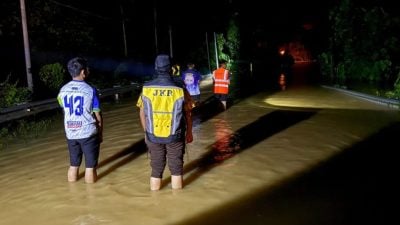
(221, 81)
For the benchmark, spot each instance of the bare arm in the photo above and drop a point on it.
(99, 121)
(142, 118)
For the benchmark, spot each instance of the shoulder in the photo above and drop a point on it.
(64, 86)
(151, 82)
(90, 86)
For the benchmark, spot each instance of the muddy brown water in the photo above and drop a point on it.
(307, 155)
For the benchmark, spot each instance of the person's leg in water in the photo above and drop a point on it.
(155, 183)
(90, 175)
(73, 172)
(175, 152)
(91, 149)
(224, 104)
(157, 163)
(223, 99)
(75, 159)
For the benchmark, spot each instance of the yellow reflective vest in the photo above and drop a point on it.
(163, 107)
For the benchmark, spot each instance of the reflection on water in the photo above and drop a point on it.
(226, 142)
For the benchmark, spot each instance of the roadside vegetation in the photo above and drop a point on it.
(363, 52)
(23, 130)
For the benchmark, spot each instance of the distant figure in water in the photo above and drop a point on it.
(287, 62)
(221, 80)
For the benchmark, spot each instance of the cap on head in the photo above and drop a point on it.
(162, 63)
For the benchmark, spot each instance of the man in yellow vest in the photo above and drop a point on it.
(221, 81)
(165, 115)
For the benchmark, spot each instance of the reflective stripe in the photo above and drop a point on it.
(163, 107)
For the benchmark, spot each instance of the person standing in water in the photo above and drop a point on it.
(83, 122)
(165, 115)
(221, 80)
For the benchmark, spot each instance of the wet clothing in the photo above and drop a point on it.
(79, 100)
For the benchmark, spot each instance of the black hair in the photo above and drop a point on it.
(76, 65)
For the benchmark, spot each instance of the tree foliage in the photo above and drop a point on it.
(233, 39)
(11, 94)
(363, 44)
(52, 75)
(57, 27)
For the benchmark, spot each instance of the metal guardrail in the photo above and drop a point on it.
(391, 103)
(31, 108)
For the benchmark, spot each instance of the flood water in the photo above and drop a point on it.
(306, 155)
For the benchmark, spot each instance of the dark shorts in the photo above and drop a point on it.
(160, 154)
(221, 97)
(88, 147)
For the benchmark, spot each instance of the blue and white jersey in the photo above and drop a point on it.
(79, 101)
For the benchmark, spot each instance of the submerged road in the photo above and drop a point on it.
(306, 155)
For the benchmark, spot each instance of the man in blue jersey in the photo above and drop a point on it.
(83, 121)
(165, 115)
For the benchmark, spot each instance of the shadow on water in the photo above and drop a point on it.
(207, 110)
(120, 158)
(356, 187)
(133, 151)
(245, 138)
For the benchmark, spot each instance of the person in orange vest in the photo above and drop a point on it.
(221, 81)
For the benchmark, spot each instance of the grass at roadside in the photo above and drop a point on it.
(27, 128)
